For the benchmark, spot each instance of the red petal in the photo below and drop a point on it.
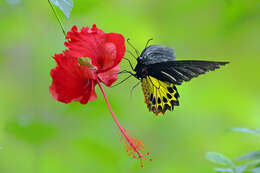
(119, 43)
(93, 94)
(105, 50)
(71, 82)
(110, 76)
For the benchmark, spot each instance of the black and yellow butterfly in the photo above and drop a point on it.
(159, 73)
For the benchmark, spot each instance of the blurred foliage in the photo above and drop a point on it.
(33, 132)
(251, 160)
(246, 130)
(64, 5)
(39, 134)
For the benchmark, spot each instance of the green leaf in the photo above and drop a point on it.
(254, 162)
(223, 170)
(64, 5)
(219, 158)
(241, 169)
(237, 169)
(246, 130)
(251, 156)
(244, 168)
(255, 170)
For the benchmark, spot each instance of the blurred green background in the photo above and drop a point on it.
(41, 135)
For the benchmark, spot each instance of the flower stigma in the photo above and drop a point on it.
(85, 61)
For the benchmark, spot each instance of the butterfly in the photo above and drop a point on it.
(160, 72)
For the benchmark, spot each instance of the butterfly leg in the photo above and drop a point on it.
(132, 89)
(126, 71)
(122, 81)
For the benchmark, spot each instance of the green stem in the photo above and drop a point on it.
(56, 15)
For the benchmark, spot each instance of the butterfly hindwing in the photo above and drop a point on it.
(178, 71)
(159, 96)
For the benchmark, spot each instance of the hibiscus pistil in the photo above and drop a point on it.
(133, 146)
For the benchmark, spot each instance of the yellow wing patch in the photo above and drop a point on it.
(159, 96)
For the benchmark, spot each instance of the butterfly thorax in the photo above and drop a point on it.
(152, 55)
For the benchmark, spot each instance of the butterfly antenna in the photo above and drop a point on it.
(122, 80)
(131, 54)
(147, 43)
(129, 63)
(132, 89)
(136, 51)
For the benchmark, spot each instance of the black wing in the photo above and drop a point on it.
(157, 54)
(178, 71)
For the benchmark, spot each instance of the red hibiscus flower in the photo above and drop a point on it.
(75, 76)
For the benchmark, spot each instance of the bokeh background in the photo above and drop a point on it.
(39, 134)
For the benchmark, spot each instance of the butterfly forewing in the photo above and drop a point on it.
(159, 96)
(178, 71)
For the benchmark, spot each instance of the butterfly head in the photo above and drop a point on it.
(140, 68)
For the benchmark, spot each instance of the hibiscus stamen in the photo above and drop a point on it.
(133, 146)
(139, 146)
